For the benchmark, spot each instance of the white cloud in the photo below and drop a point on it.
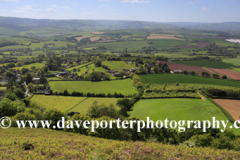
(192, 2)
(3, 10)
(63, 7)
(50, 10)
(207, 8)
(135, 1)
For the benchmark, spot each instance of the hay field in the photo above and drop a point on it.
(165, 36)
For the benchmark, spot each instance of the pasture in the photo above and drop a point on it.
(37, 65)
(165, 36)
(235, 61)
(57, 102)
(83, 106)
(165, 43)
(206, 63)
(118, 65)
(176, 109)
(180, 78)
(120, 86)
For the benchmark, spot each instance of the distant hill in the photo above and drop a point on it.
(225, 26)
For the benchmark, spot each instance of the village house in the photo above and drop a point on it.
(36, 80)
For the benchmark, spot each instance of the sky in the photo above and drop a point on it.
(210, 11)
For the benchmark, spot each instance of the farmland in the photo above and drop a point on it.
(232, 106)
(176, 109)
(235, 61)
(37, 65)
(57, 102)
(194, 45)
(164, 36)
(180, 78)
(206, 63)
(118, 65)
(83, 106)
(120, 86)
(229, 73)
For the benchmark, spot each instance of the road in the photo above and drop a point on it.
(26, 93)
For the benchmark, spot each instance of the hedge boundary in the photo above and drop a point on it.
(226, 113)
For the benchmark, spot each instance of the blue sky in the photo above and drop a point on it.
(144, 10)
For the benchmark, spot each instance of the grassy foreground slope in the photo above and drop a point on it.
(180, 78)
(120, 86)
(49, 144)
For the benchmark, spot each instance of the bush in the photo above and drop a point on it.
(7, 108)
(22, 116)
(12, 96)
(202, 140)
(54, 115)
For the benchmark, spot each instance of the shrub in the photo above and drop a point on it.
(202, 140)
(7, 108)
(22, 116)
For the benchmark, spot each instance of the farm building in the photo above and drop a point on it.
(36, 80)
(177, 71)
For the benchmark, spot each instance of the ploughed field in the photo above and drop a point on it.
(232, 106)
(230, 73)
(198, 45)
(50, 144)
(120, 86)
(175, 66)
(181, 78)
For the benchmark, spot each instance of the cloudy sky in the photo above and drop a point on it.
(144, 10)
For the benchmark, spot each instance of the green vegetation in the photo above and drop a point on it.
(166, 43)
(206, 63)
(180, 78)
(118, 65)
(83, 106)
(37, 65)
(176, 109)
(235, 61)
(120, 86)
(57, 102)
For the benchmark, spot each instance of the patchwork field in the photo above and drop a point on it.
(180, 78)
(57, 102)
(206, 63)
(37, 65)
(195, 45)
(232, 106)
(118, 65)
(175, 66)
(230, 73)
(165, 36)
(120, 86)
(176, 109)
(88, 102)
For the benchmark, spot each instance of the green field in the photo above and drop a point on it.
(180, 78)
(235, 61)
(166, 43)
(88, 102)
(178, 109)
(37, 65)
(57, 102)
(3, 88)
(206, 63)
(131, 45)
(118, 65)
(120, 86)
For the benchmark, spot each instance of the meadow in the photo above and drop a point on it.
(57, 102)
(180, 78)
(131, 45)
(235, 61)
(165, 43)
(118, 65)
(37, 65)
(120, 86)
(164, 36)
(206, 63)
(50, 144)
(84, 105)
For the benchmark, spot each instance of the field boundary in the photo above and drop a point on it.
(77, 104)
(225, 112)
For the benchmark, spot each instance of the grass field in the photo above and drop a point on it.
(3, 88)
(88, 102)
(50, 144)
(37, 65)
(180, 78)
(166, 43)
(120, 86)
(57, 102)
(205, 63)
(131, 45)
(178, 109)
(164, 36)
(235, 61)
(118, 65)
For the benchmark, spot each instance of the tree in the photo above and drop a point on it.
(155, 69)
(24, 70)
(215, 75)
(224, 76)
(185, 72)
(7, 108)
(203, 73)
(141, 69)
(32, 87)
(19, 93)
(207, 74)
(193, 73)
(149, 69)
(11, 96)
(28, 78)
(121, 74)
(95, 76)
(98, 63)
